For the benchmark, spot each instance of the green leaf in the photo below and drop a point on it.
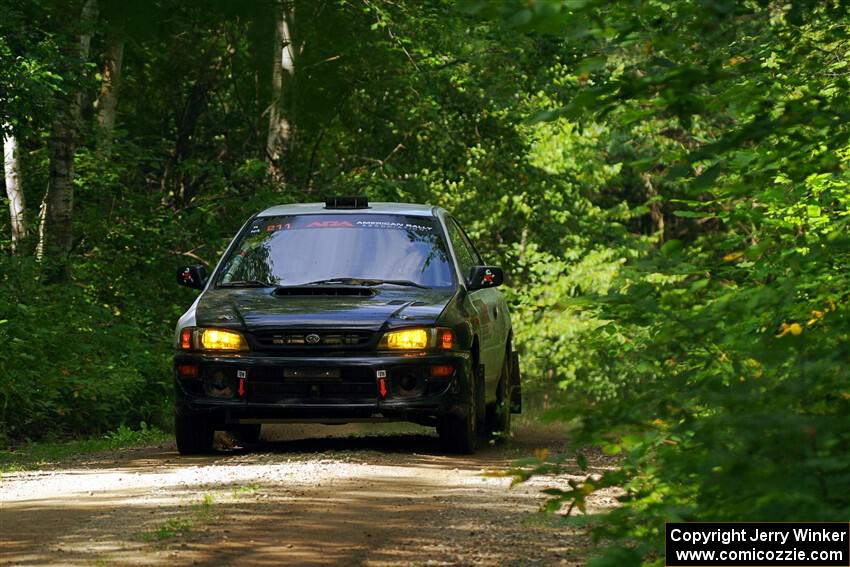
(672, 247)
(693, 214)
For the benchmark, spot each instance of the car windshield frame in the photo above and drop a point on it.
(250, 229)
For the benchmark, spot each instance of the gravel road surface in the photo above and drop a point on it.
(317, 495)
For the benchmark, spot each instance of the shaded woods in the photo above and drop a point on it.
(665, 183)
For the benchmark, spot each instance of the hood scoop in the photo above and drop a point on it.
(324, 290)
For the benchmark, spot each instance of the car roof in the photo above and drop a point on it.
(409, 209)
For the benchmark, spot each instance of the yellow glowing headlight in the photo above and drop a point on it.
(408, 339)
(218, 339)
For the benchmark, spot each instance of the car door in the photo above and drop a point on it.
(488, 305)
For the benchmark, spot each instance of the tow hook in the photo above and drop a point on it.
(382, 383)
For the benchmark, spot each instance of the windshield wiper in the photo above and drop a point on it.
(331, 281)
(366, 281)
(247, 283)
(406, 283)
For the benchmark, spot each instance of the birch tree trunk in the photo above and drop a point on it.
(42, 220)
(279, 142)
(14, 191)
(107, 100)
(58, 235)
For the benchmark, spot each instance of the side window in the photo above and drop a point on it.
(475, 255)
(467, 257)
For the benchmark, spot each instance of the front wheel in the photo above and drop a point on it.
(194, 433)
(459, 432)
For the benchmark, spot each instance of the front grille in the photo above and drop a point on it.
(276, 339)
(317, 384)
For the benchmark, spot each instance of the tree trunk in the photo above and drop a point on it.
(655, 211)
(107, 100)
(279, 142)
(13, 188)
(42, 219)
(58, 235)
(179, 187)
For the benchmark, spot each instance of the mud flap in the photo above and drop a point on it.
(515, 385)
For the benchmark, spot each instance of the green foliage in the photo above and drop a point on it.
(724, 348)
(35, 455)
(180, 526)
(170, 529)
(27, 80)
(72, 362)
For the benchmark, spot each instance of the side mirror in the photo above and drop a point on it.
(481, 277)
(192, 276)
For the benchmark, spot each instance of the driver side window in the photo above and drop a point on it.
(467, 257)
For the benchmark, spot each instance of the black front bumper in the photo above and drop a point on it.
(339, 387)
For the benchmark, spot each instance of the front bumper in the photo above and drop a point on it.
(257, 388)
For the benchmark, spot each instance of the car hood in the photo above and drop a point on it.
(254, 309)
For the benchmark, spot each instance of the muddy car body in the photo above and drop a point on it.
(341, 312)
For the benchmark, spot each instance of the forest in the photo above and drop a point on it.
(664, 182)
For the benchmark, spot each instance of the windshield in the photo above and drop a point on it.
(302, 249)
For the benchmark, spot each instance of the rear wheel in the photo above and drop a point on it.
(498, 422)
(194, 433)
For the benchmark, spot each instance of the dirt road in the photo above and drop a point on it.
(371, 498)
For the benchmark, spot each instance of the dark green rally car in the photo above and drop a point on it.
(343, 312)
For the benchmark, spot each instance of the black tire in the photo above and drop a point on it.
(498, 421)
(515, 389)
(459, 432)
(246, 432)
(194, 433)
